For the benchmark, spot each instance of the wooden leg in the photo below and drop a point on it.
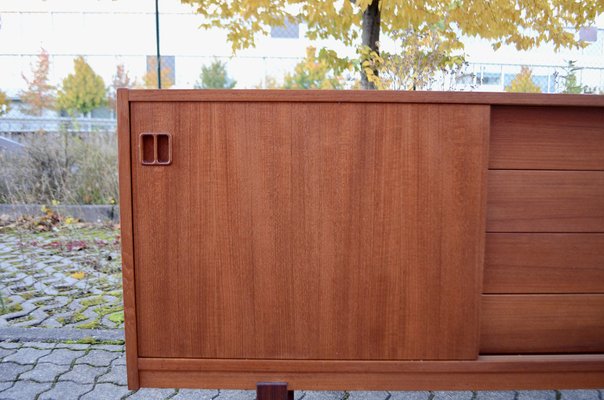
(273, 391)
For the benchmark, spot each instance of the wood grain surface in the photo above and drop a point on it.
(544, 263)
(524, 324)
(310, 231)
(545, 201)
(364, 96)
(565, 138)
(487, 372)
(124, 151)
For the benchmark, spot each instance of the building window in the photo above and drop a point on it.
(168, 67)
(490, 78)
(289, 30)
(588, 34)
(594, 39)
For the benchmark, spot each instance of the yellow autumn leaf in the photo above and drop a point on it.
(78, 275)
(70, 221)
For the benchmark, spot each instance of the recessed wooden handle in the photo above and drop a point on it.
(155, 148)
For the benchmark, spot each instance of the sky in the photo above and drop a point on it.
(109, 32)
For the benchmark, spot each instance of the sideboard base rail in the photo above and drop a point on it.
(485, 373)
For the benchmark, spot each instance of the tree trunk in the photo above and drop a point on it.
(371, 36)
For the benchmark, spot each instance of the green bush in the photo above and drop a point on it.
(215, 76)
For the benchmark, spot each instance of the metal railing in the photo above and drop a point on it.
(58, 124)
(549, 79)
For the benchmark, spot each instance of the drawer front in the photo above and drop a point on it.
(567, 138)
(545, 201)
(544, 254)
(529, 324)
(544, 263)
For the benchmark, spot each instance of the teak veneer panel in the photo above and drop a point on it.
(544, 263)
(307, 231)
(565, 138)
(545, 201)
(524, 324)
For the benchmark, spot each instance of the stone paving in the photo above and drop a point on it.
(66, 284)
(67, 277)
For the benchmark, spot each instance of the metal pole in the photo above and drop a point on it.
(157, 44)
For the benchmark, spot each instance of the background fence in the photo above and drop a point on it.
(14, 127)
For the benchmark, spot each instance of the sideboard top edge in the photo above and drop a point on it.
(360, 96)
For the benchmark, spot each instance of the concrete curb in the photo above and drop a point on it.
(86, 213)
(56, 334)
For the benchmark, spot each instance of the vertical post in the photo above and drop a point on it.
(157, 44)
(273, 391)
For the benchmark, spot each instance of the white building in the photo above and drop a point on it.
(111, 32)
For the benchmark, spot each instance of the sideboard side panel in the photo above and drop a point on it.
(125, 186)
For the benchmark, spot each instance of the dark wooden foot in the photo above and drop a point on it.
(273, 391)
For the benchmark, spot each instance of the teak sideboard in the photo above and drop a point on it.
(357, 240)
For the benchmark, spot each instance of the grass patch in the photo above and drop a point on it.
(102, 311)
(91, 234)
(11, 308)
(94, 301)
(27, 295)
(78, 317)
(72, 319)
(117, 293)
(91, 340)
(117, 317)
(95, 324)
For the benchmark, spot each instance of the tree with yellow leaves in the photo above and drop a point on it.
(524, 24)
(312, 73)
(83, 90)
(523, 83)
